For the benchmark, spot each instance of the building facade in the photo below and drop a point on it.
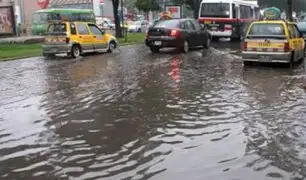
(23, 12)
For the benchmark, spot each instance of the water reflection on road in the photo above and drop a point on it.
(136, 115)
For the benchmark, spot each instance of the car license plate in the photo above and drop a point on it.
(213, 28)
(264, 44)
(265, 58)
(53, 49)
(157, 43)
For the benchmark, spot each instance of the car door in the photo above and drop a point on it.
(300, 41)
(73, 33)
(85, 38)
(294, 38)
(192, 33)
(201, 33)
(99, 42)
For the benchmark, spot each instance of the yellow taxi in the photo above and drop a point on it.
(273, 40)
(76, 38)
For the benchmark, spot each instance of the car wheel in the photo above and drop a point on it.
(111, 47)
(154, 49)
(185, 47)
(75, 51)
(247, 63)
(214, 38)
(208, 42)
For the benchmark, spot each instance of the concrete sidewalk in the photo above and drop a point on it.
(22, 40)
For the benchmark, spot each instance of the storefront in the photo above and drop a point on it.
(7, 19)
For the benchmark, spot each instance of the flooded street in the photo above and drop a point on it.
(136, 115)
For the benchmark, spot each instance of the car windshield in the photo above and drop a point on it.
(267, 29)
(173, 23)
(57, 28)
(215, 10)
(41, 18)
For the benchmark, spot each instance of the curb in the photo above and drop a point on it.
(16, 58)
(24, 57)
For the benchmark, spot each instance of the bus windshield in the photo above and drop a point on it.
(215, 10)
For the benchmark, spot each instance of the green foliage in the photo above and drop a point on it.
(147, 5)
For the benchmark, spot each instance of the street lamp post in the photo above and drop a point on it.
(289, 3)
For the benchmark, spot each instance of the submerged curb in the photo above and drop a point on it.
(31, 56)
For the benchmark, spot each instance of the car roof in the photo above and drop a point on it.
(284, 22)
(178, 19)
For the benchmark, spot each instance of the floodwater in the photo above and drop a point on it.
(137, 115)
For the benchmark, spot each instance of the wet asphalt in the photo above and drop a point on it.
(137, 115)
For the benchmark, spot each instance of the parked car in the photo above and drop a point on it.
(108, 24)
(177, 33)
(76, 38)
(302, 27)
(138, 26)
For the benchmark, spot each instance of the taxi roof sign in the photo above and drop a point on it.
(272, 13)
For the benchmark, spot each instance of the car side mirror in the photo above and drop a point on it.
(202, 27)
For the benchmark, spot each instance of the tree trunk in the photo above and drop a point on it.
(289, 2)
(116, 17)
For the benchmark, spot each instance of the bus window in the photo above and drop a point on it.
(257, 13)
(245, 12)
(215, 10)
(252, 13)
(234, 13)
(41, 18)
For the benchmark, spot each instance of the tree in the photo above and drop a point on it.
(130, 4)
(147, 5)
(116, 17)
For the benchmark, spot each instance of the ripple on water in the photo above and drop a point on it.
(128, 121)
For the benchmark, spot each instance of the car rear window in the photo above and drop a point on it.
(57, 28)
(267, 29)
(167, 23)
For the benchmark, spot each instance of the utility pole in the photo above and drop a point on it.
(289, 3)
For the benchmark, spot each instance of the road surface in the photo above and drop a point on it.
(137, 115)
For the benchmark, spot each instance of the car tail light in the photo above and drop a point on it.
(147, 35)
(228, 27)
(174, 33)
(67, 40)
(286, 47)
(244, 46)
